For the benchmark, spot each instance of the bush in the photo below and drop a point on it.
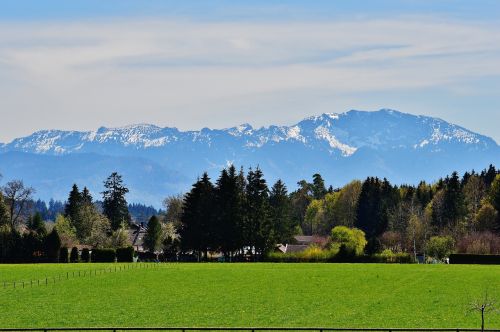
(440, 247)
(73, 258)
(85, 255)
(352, 239)
(474, 259)
(63, 255)
(125, 254)
(103, 255)
(388, 256)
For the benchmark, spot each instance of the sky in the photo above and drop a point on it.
(83, 64)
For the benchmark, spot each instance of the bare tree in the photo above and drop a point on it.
(17, 197)
(483, 305)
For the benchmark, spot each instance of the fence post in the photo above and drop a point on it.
(46, 281)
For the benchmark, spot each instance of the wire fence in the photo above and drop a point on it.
(80, 273)
(244, 329)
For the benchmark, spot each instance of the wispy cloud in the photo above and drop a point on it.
(192, 73)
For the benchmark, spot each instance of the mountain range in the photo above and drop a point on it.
(156, 162)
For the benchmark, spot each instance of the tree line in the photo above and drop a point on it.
(241, 217)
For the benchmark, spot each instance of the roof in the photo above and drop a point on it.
(292, 248)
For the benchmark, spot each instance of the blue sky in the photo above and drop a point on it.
(82, 64)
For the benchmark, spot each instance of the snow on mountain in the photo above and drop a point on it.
(354, 144)
(344, 133)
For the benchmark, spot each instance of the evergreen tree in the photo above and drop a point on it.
(197, 230)
(73, 204)
(230, 197)
(36, 225)
(258, 233)
(318, 187)
(52, 246)
(114, 203)
(86, 196)
(494, 198)
(489, 175)
(453, 204)
(279, 203)
(300, 200)
(153, 238)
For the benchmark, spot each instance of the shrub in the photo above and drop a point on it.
(440, 247)
(63, 255)
(388, 256)
(125, 254)
(103, 255)
(73, 258)
(85, 255)
(352, 239)
(479, 243)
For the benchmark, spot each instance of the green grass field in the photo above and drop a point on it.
(279, 295)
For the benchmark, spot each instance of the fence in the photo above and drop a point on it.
(244, 329)
(116, 267)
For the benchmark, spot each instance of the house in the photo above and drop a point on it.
(302, 242)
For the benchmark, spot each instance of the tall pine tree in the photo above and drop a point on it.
(74, 203)
(257, 229)
(197, 230)
(114, 203)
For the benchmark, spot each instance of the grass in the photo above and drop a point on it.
(281, 295)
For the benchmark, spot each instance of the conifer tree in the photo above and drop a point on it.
(197, 230)
(453, 204)
(86, 196)
(257, 228)
(152, 239)
(114, 203)
(319, 189)
(279, 203)
(73, 204)
(229, 195)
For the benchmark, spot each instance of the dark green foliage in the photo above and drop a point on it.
(229, 204)
(36, 225)
(73, 204)
(73, 257)
(52, 246)
(114, 204)
(197, 219)
(63, 255)
(85, 258)
(474, 259)
(299, 201)
(103, 255)
(125, 254)
(454, 206)
(377, 198)
(86, 197)
(152, 239)
(318, 187)
(258, 232)
(279, 209)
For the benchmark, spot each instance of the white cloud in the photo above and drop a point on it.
(193, 74)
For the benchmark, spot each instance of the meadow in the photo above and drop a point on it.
(260, 294)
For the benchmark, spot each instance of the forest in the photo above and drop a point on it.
(240, 217)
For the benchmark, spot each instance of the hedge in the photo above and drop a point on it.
(73, 257)
(474, 259)
(103, 255)
(63, 255)
(125, 254)
(85, 255)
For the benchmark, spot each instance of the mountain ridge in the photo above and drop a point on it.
(403, 147)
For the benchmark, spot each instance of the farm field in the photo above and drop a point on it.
(261, 294)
